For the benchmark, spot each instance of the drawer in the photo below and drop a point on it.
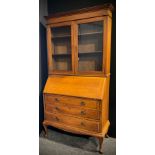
(72, 122)
(72, 101)
(79, 112)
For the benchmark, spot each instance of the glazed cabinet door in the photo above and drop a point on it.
(60, 49)
(90, 40)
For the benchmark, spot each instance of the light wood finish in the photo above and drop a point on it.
(73, 46)
(101, 144)
(77, 100)
(106, 6)
(89, 63)
(89, 87)
(75, 33)
(106, 19)
(73, 121)
(49, 48)
(107, 45)
(77, 111)
(76, 130)
(72, 101)
(81, 14)
(60, 48)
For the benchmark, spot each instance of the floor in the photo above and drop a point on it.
(63, 143)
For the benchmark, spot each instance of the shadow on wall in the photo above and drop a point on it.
(43, 73)
(112, 95)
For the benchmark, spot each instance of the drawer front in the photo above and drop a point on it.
(72, 122)
(72, 101)
(79, 112)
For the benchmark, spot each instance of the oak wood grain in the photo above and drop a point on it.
(72, 111)
(78, 101)
(89, 87)
(72, 101)
(72, 121)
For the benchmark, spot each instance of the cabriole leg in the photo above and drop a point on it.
(100, 144)
(45, 128)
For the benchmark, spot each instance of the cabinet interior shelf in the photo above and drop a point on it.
(82, 34)
(90, 53)
(80, 53)
(61, 37)
(90, 33)
(62, 55)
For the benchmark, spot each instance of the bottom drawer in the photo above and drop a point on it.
(73, 122)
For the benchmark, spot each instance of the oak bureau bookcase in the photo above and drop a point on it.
(76, 94)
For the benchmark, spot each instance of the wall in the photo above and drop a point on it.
(43, 11)
(42, 57)
(67, 5)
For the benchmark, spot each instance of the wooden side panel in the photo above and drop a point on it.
(74, 57)
(88, 66)
(49, 49)
(105, 104)
(107, 44)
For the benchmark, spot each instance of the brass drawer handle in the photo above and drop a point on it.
(57, 119)
(82, 124)
(57, 108)
(83, 112)
(56, 99)
(82, 103)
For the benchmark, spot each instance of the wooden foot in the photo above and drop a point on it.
(45, 128)
(100, 144)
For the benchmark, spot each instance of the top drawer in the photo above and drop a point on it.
(72, 101)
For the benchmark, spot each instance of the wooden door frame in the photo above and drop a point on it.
(107, 22)
(89, 73)
(50, 49)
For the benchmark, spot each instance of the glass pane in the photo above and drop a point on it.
(61, 43)
(90, 46)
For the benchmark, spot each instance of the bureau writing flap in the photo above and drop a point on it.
(89, 87)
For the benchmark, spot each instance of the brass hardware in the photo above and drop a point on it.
(56, 99)
(57, 108)
(56, 118)
(82, 124)
(83, 112)
(82, 103)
